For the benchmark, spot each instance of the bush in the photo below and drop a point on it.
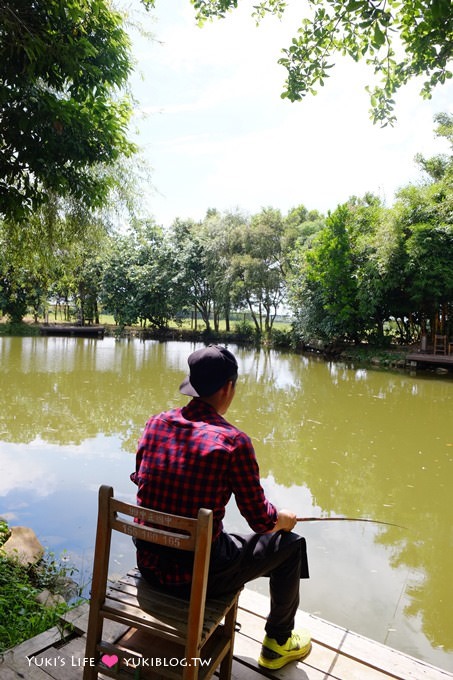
(18, 329)
(21, 616)
(245, 330)
(4, 531)
(282, 338)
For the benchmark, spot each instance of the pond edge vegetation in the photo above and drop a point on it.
(282, 338)
(33, 595)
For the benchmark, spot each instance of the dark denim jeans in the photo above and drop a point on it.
(237, 559)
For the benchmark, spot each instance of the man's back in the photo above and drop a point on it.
(190, 458)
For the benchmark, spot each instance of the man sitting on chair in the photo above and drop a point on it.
(190, 458)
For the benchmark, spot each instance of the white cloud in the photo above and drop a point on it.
(15, 475)
(223, 136)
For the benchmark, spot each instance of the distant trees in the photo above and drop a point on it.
(425, 222)
(259, 283)
(370, 264)
(229, 261)
(324, 288)
(192, 250)
(364, 272)
(139, 282)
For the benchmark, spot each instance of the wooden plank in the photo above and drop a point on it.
(28, 660)
(38, 643)
(243, 672)
(16, 673)
(77, 618)
(138, 603)
(8, 673)
(419, 358)
(396, 664)
(138, 650)
(168, 607)
(320, 630)
(75, 647)
(136, 617)
(134, 584)
(386, 660)
(71, 660)
(321, 662)
(22, 667)
(59, 664)
(337, 653)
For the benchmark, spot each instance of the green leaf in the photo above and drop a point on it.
(378, 37)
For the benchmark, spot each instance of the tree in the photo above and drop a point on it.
(424, 218)
(372, 265)
(259, 280)
(430, 257)
(155, 274)
(83, 266)
(62, 119)
(301, 227)
(188, 240)
(24, 272)
(399, 39)
(119, 287)
(54, 254)
(324, 290)
(222, 233)
(364, 220)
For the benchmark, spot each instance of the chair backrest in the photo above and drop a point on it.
(153, 619)
(172, 531)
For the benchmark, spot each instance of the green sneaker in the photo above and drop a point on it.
(275, 656)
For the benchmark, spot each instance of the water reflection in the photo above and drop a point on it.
(331, 439)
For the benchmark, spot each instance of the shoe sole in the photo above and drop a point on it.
(275, 664)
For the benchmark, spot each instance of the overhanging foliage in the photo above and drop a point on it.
(399, 40)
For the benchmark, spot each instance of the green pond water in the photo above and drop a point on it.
(331, 440)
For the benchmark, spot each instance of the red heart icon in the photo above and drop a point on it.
(109, 660)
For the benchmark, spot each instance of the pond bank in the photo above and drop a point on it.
(35, 588)
(385, 357)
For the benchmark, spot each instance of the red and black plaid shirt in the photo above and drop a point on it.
(191, 458)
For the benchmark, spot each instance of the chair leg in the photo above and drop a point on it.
(230, 629)
(190, 673)
(94, 634)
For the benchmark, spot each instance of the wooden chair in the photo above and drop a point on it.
(168, 636)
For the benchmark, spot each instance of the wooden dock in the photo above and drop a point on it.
(425, 359)
(66, 330)
(337, 653)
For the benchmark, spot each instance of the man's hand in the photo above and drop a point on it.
(286, 520)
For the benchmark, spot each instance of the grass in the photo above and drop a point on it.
(240, 324)
(18, 329)
(21, 616)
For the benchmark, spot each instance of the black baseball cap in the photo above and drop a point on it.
(210, 368)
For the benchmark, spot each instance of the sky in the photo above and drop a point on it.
(212, 126)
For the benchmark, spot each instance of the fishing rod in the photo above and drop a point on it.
(347, 519)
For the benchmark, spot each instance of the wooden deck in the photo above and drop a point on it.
(445, 360)
(337, 653)
(66, 330)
